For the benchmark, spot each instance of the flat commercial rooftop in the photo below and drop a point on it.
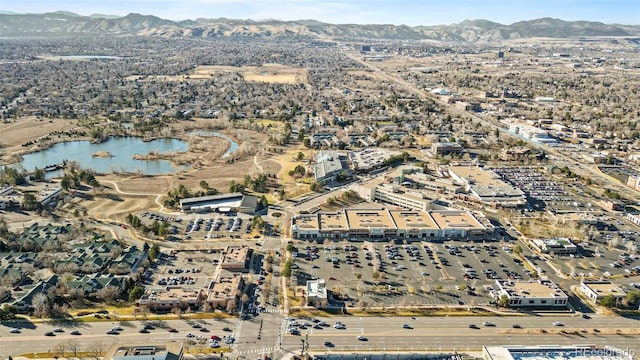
(533, 289)
(165, 351)
(455, 220)
(382, 218)
(307, 221)
(369, 218)
(406, 219)
(474, 173)
(333, 221)
(485, 183)
(605, 288)
(557, 352)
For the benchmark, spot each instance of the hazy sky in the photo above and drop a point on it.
(409, 12)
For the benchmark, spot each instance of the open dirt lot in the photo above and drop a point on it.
(268, 73)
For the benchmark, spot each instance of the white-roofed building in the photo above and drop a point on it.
(317, 293)
(327, 165)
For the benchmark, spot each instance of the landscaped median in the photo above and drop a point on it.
(197, 349)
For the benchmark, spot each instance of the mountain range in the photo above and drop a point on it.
(64, 23)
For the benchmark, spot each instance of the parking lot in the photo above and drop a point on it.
(187, 268)
(601, 260)
(420, 274)
(203, 226)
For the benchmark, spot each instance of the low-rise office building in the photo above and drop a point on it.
(225, 289)
(597, 290)
(9, 197)
(48, 195)
(236, 258)
(317, 293)
(556, 246)
(233, 202)
(166, 351)
(533, 293)
(446, 148)
(171, 297)
(328, 166)
(555, 352)
(634, 218)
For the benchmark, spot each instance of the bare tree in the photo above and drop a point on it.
(60, 349)
(108, 293)
(144, 309)
(96, 350)
(40, 304)
(232, 304)
(178, 311)
(74, 347)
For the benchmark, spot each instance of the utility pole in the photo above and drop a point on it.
(305, 346)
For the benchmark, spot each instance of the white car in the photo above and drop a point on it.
(557, 323)
(15, 331)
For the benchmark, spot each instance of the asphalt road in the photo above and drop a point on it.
(32, 338)
(448, 333)
(262, 334)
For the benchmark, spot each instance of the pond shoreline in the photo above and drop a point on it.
(16, 158)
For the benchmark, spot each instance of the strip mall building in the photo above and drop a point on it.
(384, 224)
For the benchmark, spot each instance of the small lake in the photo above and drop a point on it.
(233, 146)
(121, 149)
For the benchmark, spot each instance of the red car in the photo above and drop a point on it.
(172, 330)
(215, 338)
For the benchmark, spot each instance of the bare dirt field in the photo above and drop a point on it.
(268, 73)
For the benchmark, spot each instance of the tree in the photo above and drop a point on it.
(633, 297)
(286, 270)
(29, 201)
(66, 183)
(108, 293)
(154, 251)
(232, 305)
(136, 293)
(517, 249)
(95, 350)
(60, 349)
(40, 304)
(8, 312)
(609, 301)
(503, 301)
(300, 156)
(74, 347)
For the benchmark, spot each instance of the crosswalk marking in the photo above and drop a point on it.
(257, 351)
